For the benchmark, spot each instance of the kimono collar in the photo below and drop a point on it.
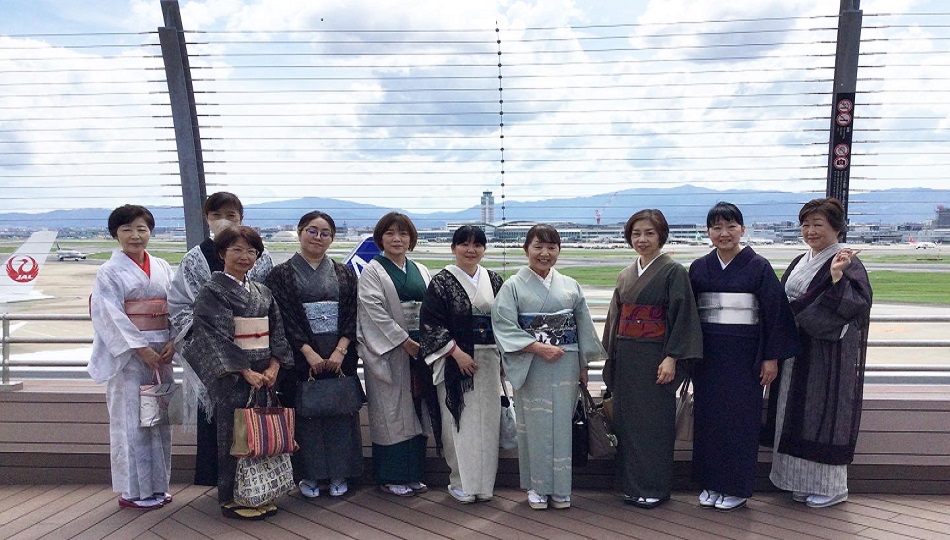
(801, 275)
(725, 264)
(146, 265)
(480, 292)
(244, 284)
(642, 269)
(546, 281)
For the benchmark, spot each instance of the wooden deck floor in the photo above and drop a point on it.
(91, 512)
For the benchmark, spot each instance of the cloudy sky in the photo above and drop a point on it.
(397, 103)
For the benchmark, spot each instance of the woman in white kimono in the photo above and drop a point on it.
(130, 350)
(458, 343)
(389, 296)
(221, 210)
(545, 332)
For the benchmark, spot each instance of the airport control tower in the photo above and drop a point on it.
(488, 207)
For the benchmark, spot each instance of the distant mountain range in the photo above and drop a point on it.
(681, 205)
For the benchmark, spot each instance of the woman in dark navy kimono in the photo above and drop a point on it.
(747, 327)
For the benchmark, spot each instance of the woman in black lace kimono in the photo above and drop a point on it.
(457, 341)
(317, 299)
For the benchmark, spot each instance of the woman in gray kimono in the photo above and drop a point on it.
(652, 327)
(543, 327)
(820, 393)
(237, 343)
(390, 293)
(317, 299)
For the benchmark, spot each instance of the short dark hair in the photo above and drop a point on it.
(127, 213)
(655, 217)
(227, 238)
(316, 214)
(830, 208)
(219, 200)
(467, 233)
(401, 222)
(724, 211)
(544, 233)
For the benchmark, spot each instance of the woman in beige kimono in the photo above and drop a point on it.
(390, 293)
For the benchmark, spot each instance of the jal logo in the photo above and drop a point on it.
(22, 269)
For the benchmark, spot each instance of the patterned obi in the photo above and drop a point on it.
(728, 308)
(482, 333)
(148, 314)
(557, 328)
(324, 317)
(641, 321)
(410, 310)
(252, 332)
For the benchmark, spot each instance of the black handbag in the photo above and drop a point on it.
(321, 398)
(579, 436)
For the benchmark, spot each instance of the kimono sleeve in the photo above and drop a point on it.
(509, 335)
(211, 350)
(262, 268)
(284, 291)
(435, 319)
(589, 345)
(185, 285)
(279, 348)
(780, 335)
(684, 338)
(838, 305)
(109, 320)
(610, 337)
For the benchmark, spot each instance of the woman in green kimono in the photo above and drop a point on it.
(389, 297)
(545, 332)
(652, 325)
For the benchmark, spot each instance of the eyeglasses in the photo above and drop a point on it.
(313, 231)
(238, 252)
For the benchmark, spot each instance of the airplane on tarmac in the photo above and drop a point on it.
(21, 269)
(921, 245)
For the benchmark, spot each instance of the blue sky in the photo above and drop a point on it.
(620, 131)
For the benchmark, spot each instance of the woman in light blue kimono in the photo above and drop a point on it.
(544, 329)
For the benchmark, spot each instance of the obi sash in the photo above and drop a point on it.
(252, 332)
(482, 333)
(410, 311)
(148, 314)
(557, 328)
(323, 316)
(641, 321)
(728, 308)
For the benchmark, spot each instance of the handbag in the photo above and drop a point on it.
(601, 442)
(263, 431)
(684, 412)
(508, 427)
(321, 398)
(260, 480)
(160, 404)
(579, 434)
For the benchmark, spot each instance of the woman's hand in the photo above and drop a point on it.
(548, 352)
(334, 362)
(315, 361)
(270, 374)
(150, 358)
(768, 372)
(667, 370)
(583, 378)
(411, 347)
(466, 363)
(168, 352)
(253, 378)
(841, 261)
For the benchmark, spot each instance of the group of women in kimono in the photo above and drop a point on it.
(437, 349)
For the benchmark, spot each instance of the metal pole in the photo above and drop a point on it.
(5, 384)
(843, 102)
(185, 118)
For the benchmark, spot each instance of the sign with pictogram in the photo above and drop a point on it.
(839, 150)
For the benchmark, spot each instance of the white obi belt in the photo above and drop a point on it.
(252, 332)
(728, 308)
